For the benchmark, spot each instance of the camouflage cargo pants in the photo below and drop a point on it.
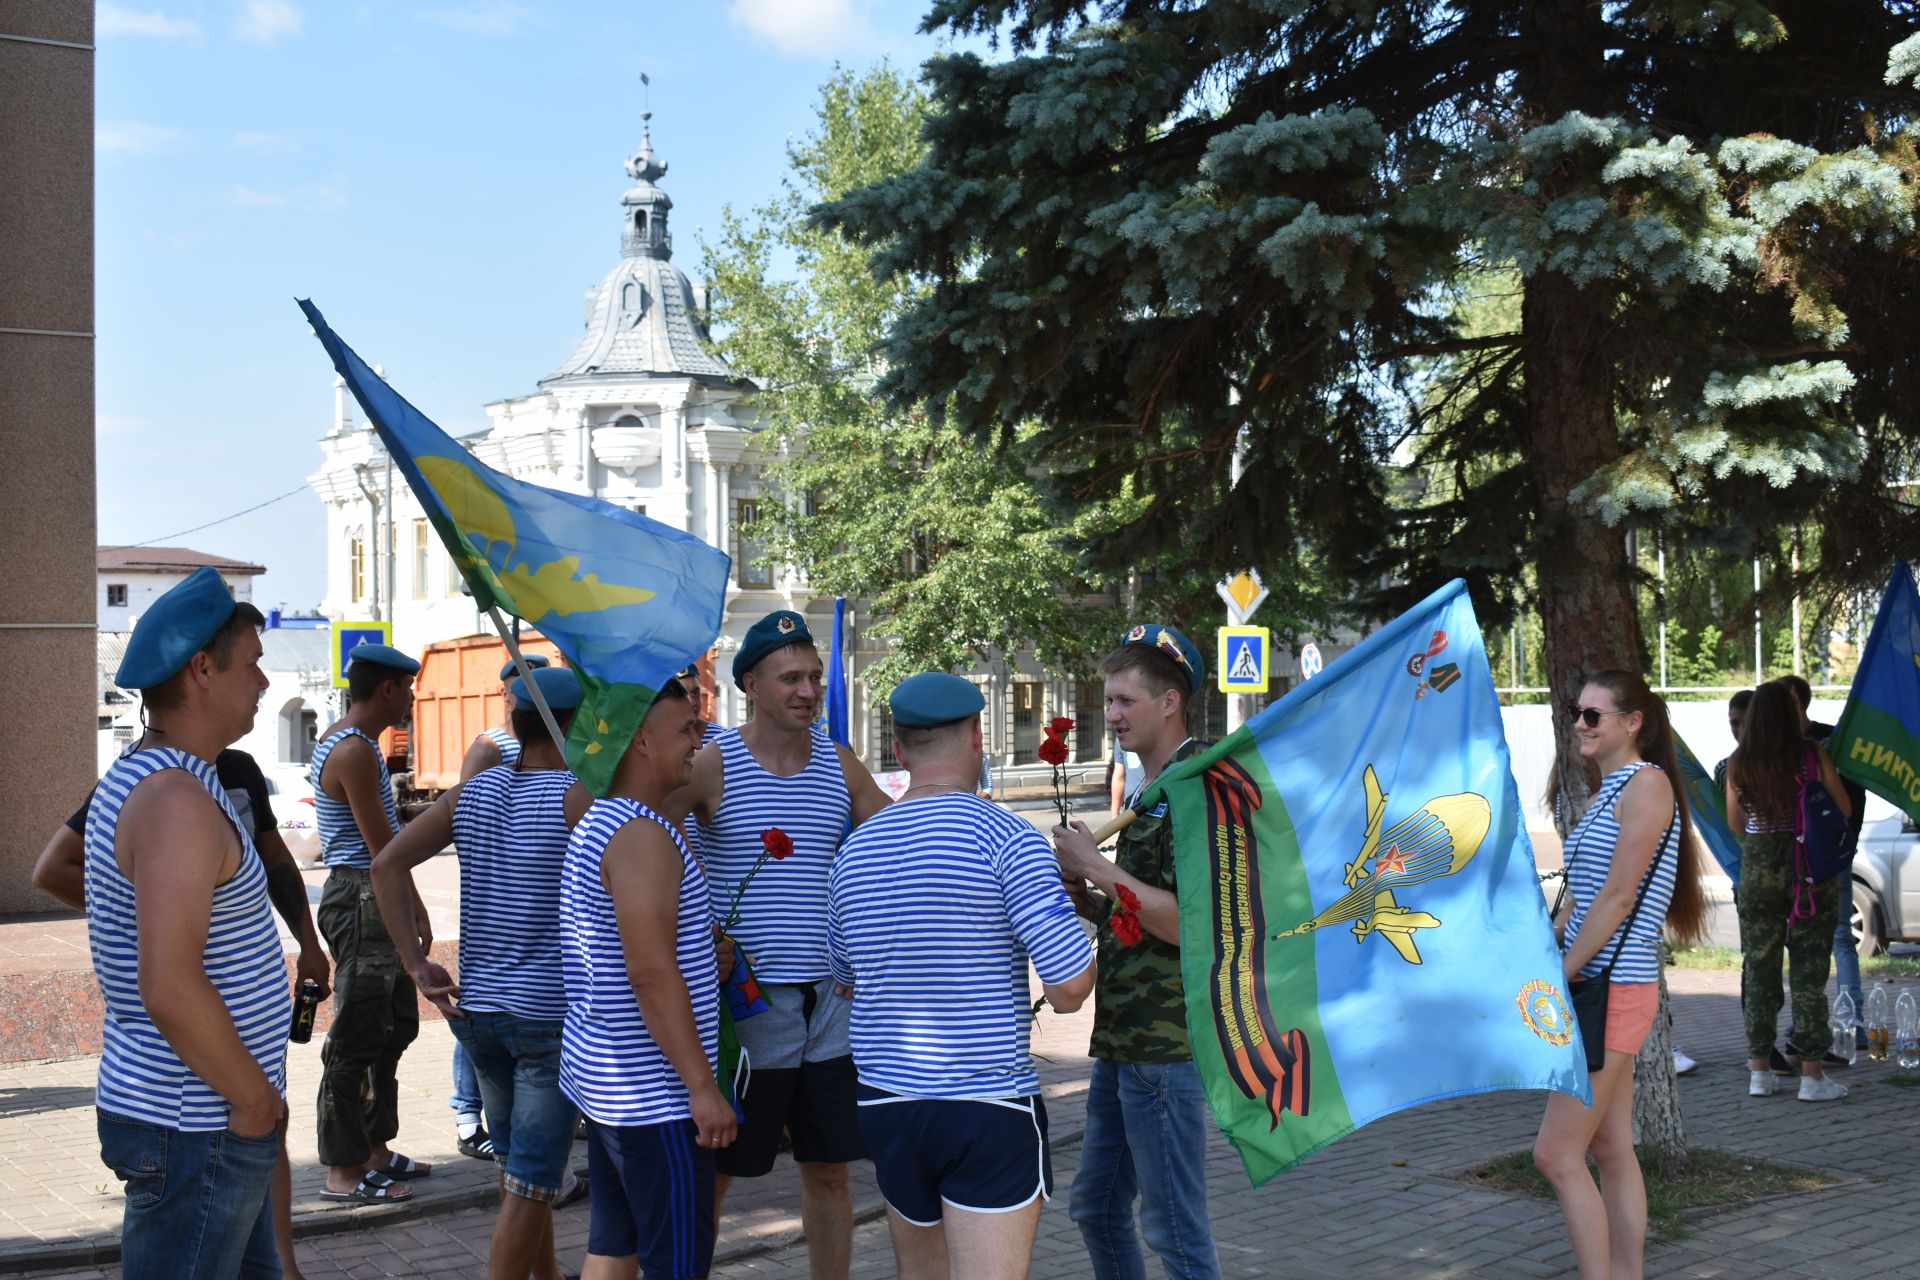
(375, 1017)
(1764, 899)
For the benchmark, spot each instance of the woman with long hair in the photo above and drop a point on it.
(1764, 777)
(1631, 868)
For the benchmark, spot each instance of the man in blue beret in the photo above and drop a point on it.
(183, 942)
(950, 1103)
(509, 825)
(1147, 1124)
(495, 746)
(781, 772)
(375, 1015)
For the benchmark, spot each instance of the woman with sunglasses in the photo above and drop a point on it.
(1764, 777)
(1631, 868)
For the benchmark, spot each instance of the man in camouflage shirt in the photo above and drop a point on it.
(1147, 1124)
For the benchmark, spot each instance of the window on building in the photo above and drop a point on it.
(1090, 721)
(884, 741)
(750, 566)
(116, 595)
(357, 569)
(422, 557)
(454, 580)
(1026, 721)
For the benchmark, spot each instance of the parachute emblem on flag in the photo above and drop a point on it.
(1545, 1011)
(1436, 841)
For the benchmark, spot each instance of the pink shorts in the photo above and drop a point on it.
(1630, 1010)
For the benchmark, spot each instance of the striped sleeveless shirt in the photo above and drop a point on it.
(508, 744)
(610, 1066)
(783, 918)
(341, 844)
(1589, 856)
(141, 1077)
(510, 832)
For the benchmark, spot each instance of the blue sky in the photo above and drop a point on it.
(441, 177)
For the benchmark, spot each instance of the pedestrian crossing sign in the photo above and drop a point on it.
(348, 636)
(1242, 659)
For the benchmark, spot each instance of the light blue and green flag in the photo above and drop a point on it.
(1361, 925)
(1877, 742)
(1709, 805)
(628, 600)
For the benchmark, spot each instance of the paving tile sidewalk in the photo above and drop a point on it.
(1349, 1211)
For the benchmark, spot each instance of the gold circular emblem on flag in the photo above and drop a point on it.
(1545, 1012)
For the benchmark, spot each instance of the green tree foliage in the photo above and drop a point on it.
(954, 546)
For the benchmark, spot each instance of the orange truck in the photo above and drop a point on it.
(457, 695)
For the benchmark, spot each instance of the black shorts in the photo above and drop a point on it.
(982, 1155)
(813, 1102)
(651, 1188)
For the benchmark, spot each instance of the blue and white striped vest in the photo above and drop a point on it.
(510, 831)
(341, 844)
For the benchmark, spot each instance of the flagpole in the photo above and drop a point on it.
(526, 678)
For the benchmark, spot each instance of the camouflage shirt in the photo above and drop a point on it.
(1139, 1006)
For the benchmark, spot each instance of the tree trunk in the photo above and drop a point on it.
(1658, 1127)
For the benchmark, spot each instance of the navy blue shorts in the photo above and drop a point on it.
(652, 1195)
(981, 1155)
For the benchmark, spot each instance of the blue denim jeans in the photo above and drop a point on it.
(1846, 956)
(465, 1098)
(1146, 1138)
(518, 1062)
(197, 1203)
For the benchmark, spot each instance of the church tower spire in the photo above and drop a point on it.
(644, 207)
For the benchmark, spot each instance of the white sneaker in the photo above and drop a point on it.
(1821, 1089)
(1761, 1085)
(1682, 1063)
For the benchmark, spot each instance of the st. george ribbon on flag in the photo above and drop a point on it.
(628, 600)
(1361, 924)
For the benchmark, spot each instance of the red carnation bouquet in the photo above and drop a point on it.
(1127, 929)
(1053, 751)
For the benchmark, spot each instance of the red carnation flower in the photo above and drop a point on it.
(1126, 928)
(1128, 898)
(1060, 726)
(776, 842)
(1053, 751)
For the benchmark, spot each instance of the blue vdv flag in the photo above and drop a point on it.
(628, 600)
(837, 676)
(1361, 923)
(1709, 805)
(1877, 741)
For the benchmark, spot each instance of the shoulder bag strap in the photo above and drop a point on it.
(1646, 882)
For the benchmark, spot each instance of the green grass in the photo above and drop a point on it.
(1880, 966)
(1713, 1178)
(1902, 1079)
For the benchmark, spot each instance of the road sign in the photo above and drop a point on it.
(1242, 659)
(1311, 663)
(1243, 593)
(348, 636)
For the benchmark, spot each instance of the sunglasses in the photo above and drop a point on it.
(1590, 716)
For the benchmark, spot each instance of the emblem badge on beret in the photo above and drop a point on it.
(1137, 634)
(784, 625)
(1171, 647)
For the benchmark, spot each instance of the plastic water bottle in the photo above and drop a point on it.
(1906, 1031)
(1879, 1021)
(1843, 1036)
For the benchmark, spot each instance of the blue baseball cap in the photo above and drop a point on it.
(934, 698)
(381, 655)
(558, 685)
(1173, 645)
(174, 628)
(534, 660)
(777, 630)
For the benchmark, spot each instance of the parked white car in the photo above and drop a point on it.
(1886, 883)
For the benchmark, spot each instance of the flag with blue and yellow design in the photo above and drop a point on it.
(628, 600)
(1877, 741)
(1361, 925)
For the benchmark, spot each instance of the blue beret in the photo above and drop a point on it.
(558, 685)
(777, 630)
(934, 698)
(1173, 645)
(381, 655)
(534, 660)
(174, 628)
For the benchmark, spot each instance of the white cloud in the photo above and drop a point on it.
(112, 20)
(266, 144)
(317, 197)
(805, 27)
(136, 138)
(267, 21)
(482, 17)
